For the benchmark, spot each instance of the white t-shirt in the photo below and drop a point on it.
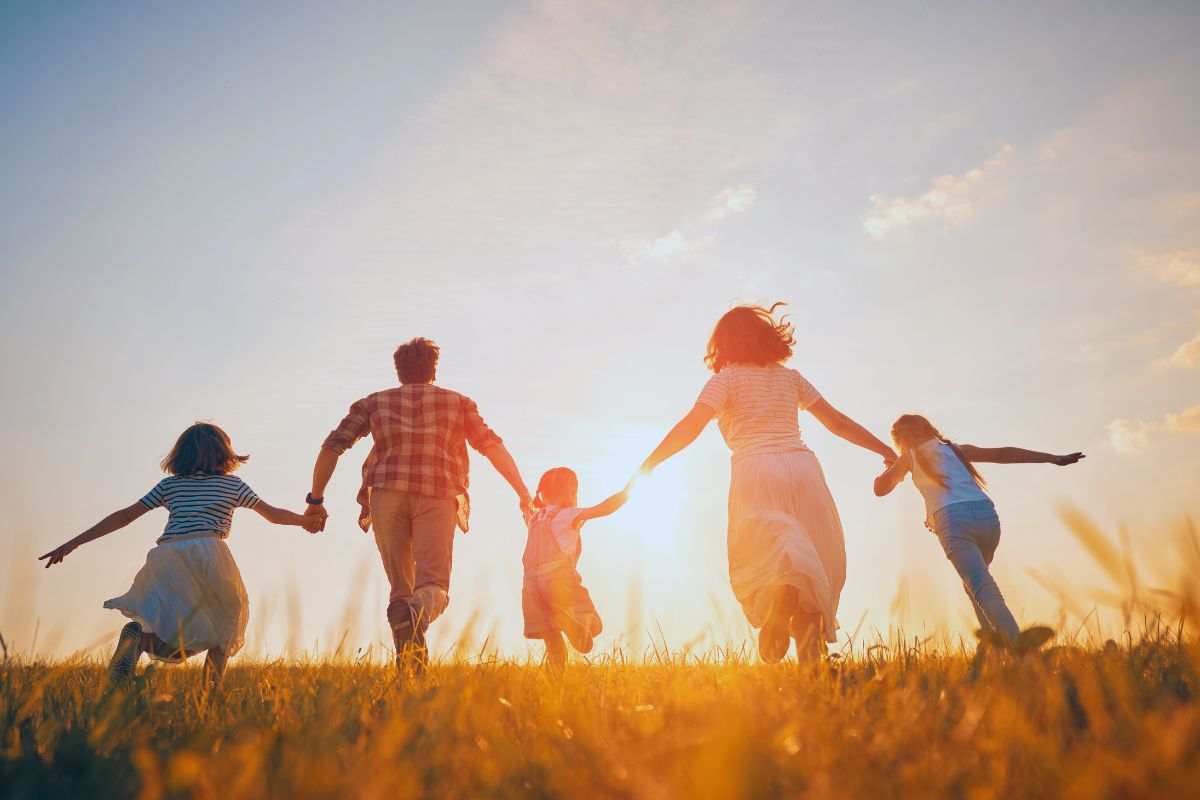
(758, 407)
(961, 486)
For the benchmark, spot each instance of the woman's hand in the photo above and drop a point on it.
(1067, 460)
(56, 555)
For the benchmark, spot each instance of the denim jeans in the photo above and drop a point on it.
(969, 533)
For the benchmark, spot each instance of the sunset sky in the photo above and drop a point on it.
(990, 215)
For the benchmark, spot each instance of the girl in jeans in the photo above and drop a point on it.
(958, 509)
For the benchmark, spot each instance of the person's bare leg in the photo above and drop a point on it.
(773, 639)
(556, 652)
(214, 668)
(808, 631)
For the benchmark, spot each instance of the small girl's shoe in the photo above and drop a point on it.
(129, 650)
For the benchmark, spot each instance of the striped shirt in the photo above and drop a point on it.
(200, 503)
(758, 407)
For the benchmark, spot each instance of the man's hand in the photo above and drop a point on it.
(526, 505)
(56, 555)
(319, 514)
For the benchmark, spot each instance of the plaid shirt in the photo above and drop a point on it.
(420, 434)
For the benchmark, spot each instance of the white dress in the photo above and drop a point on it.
(784, 529)
(189, 592)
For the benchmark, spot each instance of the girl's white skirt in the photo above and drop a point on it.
(190, 594)
(784, 530)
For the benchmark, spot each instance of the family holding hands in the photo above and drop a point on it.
(787, 556)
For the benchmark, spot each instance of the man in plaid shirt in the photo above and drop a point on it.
(414, 487)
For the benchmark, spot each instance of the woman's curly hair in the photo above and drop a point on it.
(749, 335)
(203, 449)
(416, 361)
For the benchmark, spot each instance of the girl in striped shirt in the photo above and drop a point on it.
(189, 596)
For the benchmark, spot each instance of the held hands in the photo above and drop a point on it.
(56, 555)
(313, 523)
(1067, 460)
(315, 517)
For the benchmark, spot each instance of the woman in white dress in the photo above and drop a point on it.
(787, 558)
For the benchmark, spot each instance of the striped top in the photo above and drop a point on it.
(200, 503)
(758, 407)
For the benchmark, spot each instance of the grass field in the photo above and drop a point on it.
(1121, 721)
(896, 718)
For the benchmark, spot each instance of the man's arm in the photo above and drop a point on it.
(1016, 455)
(503, 462)
(355, 425)
(326, 463)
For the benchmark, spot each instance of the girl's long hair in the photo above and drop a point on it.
(910, 429)
(557, 482)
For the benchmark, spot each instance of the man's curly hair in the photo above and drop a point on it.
(416, 361)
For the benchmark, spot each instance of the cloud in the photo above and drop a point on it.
(1132, 435)
(677, 244)
(1186, 356)
(733, 200)
(949, 198)
(667, 247)
(1177, 267)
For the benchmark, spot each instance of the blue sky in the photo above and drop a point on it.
(985, 213)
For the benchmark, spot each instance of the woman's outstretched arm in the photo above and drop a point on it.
(683, 434)
(113, 522)
(842, 426)
(1016, 455)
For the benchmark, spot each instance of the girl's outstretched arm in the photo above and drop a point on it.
(281, 516)
(113, 522)
(1016, 455)
(842, 426)
(606, 507)
(893, 475)
(683, 434)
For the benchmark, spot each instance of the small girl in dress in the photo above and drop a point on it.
(188, 597)
(962, 515)
(553, 599)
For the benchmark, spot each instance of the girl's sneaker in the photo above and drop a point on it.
(129, 650)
